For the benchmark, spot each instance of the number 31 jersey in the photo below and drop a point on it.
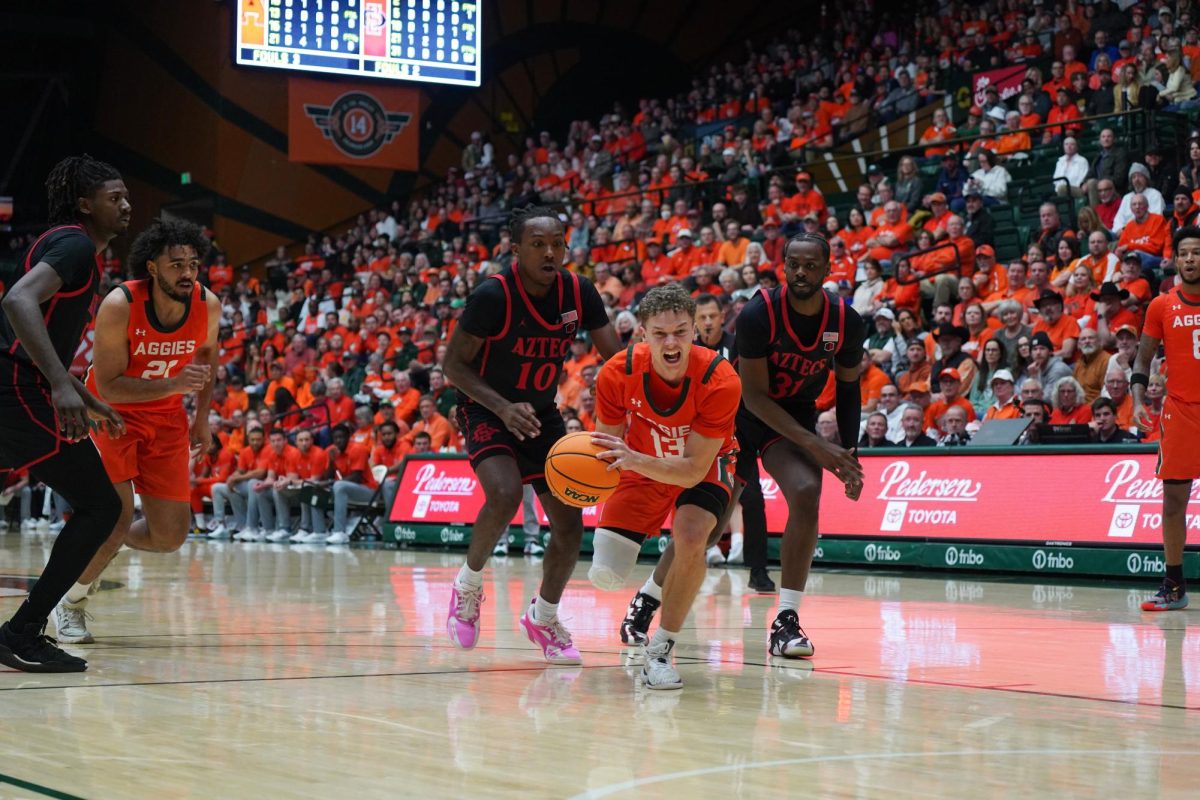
(659, 416)
(156, 351)
(800, 350)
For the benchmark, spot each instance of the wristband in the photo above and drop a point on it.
(1139, 378)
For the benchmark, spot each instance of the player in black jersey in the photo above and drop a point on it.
(505, 355)
(788, 340)
(44, 410)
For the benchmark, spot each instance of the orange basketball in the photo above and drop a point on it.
(575, 475)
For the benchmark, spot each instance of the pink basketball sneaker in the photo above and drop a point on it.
(463, 622)
(553, 638)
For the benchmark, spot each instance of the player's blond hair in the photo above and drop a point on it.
(660, 299)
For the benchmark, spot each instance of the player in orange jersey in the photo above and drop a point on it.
(665, 411)
(156, 340)
(1173, 319)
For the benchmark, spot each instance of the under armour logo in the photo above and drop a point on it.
(140, 331)
(1176, 307)
(636, 403)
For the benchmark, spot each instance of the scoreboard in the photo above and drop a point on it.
(431, 41)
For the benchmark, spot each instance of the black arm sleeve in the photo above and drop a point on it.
(848, 405)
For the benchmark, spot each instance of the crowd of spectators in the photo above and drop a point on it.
(343, 335)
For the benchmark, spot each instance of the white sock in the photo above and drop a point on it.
(544, 611)
(789, 599)
(78, 593)
(651, 588)
(200, 520)
(469, 578)
(663, 635)
(735, 541)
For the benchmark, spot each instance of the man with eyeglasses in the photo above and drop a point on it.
(1116, 387)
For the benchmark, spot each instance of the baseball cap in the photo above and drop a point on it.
(937, 197)
(950, 373)
(729, 151)
(1182, 189)
(803, 176)
(1002, 375)
(919, 386)
(985, 250)
(1134, 257)
(1126, 328)
(874, 169)
(684, 232)
(886, 313)
(653, 241)
(770, 221)
(1041, 339)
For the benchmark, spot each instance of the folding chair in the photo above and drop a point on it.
(371, 510)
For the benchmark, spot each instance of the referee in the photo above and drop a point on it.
(45, 413)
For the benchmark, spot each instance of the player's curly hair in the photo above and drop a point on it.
(821, 241)
(1186, 232)
(521, 216)
(72, 178)
(671, 297)
(162, 234)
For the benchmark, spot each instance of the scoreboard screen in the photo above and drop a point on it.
(431, 41)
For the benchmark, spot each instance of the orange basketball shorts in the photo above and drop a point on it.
(1178, 455)
(640, 505)
(153, 454)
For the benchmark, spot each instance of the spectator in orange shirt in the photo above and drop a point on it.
(1064, 111)
(940, 131)
(872, 381)
(1006, 405)
(891, 236)
(686, 257)
(950, 384)
(733, 251)
(432, 423)
(656, 268)
(1067, 399)
(937, 269)
(341, 407)
(991, 281)
(406, 398)
(1015, 143)
(1111, 313)
(1062, 329)
(806, 200)
(1146, 233)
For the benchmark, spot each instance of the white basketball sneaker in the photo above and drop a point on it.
(659, 670)
(70, 622)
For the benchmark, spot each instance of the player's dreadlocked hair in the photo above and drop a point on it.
(671, 297)
(161, 234)
(821, 241)
(521, 216)
(72, 178)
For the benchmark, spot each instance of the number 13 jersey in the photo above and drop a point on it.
(800, 350)
(156, 351)
(659, 416)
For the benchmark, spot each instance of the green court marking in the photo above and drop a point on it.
(37, 788)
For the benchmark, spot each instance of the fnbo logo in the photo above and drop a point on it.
(1138, 564)
(874, 552)
(968, 558)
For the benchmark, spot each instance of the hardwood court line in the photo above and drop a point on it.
(37, 788)
(430, 673)
(637, 783)
(1002, 688)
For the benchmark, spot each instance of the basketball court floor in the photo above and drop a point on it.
(267, 671)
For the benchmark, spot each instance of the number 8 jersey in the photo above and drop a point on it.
(156, 351)
(659, 416)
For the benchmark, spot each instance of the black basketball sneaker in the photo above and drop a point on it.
(637, 620)
(32, 651)
(788, 638)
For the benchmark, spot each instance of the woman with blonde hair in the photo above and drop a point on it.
(908, 183)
